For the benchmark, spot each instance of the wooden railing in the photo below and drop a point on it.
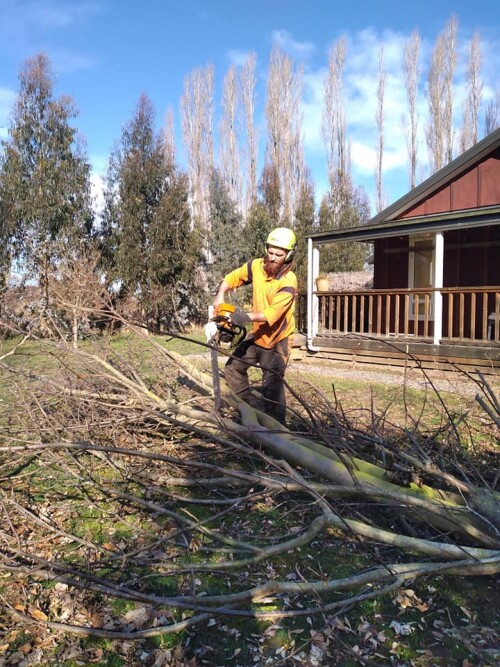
(467, 314)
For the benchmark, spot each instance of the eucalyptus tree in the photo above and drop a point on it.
(151, 247)
(354, 211)
(305, 223)
(135, 185)
(227, 242)
(44, 175)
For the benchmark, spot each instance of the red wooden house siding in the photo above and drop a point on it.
(480, 186)
(436, 282)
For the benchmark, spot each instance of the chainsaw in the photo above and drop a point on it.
(223, 335)
(227, 335)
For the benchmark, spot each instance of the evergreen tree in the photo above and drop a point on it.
(350, 210)
(227, 245)
(258, 225)
(174, 253)
(44, 175)
(305, 221)
(5, 239)
(147, 236)
(270, 193)
(138, 180)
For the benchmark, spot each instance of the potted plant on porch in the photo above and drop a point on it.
(322, 283)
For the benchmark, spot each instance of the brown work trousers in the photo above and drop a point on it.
(273, 363)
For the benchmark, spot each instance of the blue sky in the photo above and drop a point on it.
(105, 53)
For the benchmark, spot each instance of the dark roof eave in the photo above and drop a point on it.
(441, 222)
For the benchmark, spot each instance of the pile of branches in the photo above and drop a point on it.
(120, 481)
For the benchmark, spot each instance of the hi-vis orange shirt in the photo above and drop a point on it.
(275, 297)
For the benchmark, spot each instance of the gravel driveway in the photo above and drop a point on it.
(444, 381)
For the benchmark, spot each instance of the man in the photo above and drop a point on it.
(274, 286)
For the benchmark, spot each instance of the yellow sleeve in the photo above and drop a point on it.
(238, 277)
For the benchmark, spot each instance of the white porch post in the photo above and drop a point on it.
(312, 299)
(438, 284)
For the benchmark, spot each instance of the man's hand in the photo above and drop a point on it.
(240, 318)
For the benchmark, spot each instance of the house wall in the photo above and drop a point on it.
(470, 260)
(479, 186)
(390, 263)
(471, 257)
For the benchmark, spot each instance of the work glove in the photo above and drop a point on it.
(240, 318)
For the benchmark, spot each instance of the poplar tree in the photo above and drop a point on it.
(379, 118)
(472, 101)
(284, 144)
(439, 131)
(247, 90)
(44, 176)
(230, 159)
(412, 74)
(492, 114)
(334, 123)
(197, 120)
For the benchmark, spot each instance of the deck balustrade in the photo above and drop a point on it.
(467, 314)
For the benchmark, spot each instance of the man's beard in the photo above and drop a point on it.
(271, 268)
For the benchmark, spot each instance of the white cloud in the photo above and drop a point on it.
(312, 110)
(65, 61)
(238, 56)
(46, 15)
(99, 165)
(7, 99)
(32, 26)
(285, 41)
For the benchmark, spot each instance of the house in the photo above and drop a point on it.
(436, 273)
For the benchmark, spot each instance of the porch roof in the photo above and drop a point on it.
(440, 222)
(390, 222)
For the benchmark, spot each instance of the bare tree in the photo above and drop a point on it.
(229, 147)
(469, 133)
(169, 137)
(197, 115)
(492, 116)
(247, 85)
(284, 89)
(439, 132)
(379, 117)
(334, 133)
(412, 72)
(334, 123)
(76, 288)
